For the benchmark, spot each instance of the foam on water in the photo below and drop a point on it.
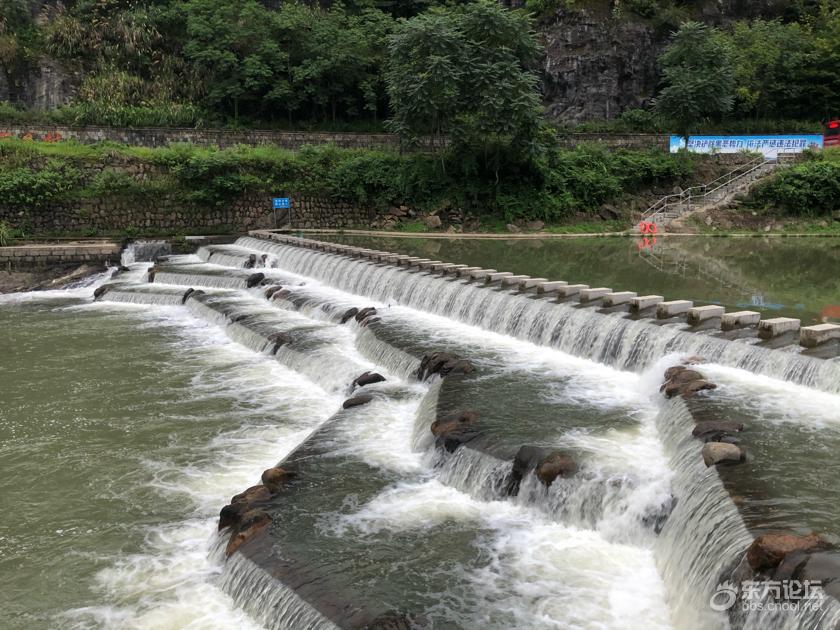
(536, 573)
(174, 580)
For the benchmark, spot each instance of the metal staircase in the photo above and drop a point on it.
(740, 179)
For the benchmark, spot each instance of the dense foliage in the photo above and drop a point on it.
(564, 182)
(698, 77)
(246, 62)
(811, 188)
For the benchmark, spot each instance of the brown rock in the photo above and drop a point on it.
(254, 279)
(722, 453)
(673, 371)
(275, 477)
(693, 387)
(231, 514)
(768, 550)
(556, 465)
(713, 430)
(357, 401)
(252, 523)
(350, 312)
(453, 422)
(433, 222)
(368, 378)
(254, 494)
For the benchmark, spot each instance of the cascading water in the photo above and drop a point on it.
(144, 251)
(611, 339)
(383, 526)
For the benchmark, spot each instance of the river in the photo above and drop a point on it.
(126, 423)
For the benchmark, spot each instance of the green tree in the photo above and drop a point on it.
(771, 64)
(464, 74)
(18, 42)
(823, 68)
(233, 45)
(698, 77)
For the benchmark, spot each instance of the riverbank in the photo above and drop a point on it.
(65, 188)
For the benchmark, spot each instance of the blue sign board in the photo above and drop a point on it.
(281, 203)
(769, 146)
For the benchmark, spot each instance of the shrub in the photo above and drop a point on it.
(808, 189)
(5, 234)
(24, 186)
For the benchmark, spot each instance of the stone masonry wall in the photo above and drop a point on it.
(164, 213)
(292, 140)
(35, 256)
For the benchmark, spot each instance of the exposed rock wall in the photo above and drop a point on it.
(595, 67)
(601, 59)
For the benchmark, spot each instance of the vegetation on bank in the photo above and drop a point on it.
(562, 183)
(808, 189)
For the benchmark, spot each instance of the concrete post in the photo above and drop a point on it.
(479, 274)
(490, 278)
(739, 319)
(700, 314)
(615, 299)
(550, 287)
(666, 310)
(592, 295)
(511, 280)
(570, 290)
(529, 283)
(813, 336)
(777, 326)
(644, 302)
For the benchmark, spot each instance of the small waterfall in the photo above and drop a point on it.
(317, 350)
(381, 353)
(144, 251)
(234, 256)
(608, 338)
(704, 538)
(145, 294)
(266, 598)
(218, 281)
(474, 472)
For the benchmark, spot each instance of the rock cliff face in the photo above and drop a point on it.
(595, 67)
(601, 59)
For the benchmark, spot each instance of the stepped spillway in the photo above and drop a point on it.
(500, 458)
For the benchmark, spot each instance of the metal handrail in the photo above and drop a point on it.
(703, 191)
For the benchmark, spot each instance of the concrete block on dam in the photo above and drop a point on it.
(777, 326)
(673, 308)
(593, 294)
(645, 302)
(739, 319)
(550, 287)
(568, 290)
(496, 276)
(529, 283)
(813, 336)
(700, 314)
(513, 280)
(618, 298)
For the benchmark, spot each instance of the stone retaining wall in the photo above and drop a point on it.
(156, 137)
(27, 257)
(166, 213)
